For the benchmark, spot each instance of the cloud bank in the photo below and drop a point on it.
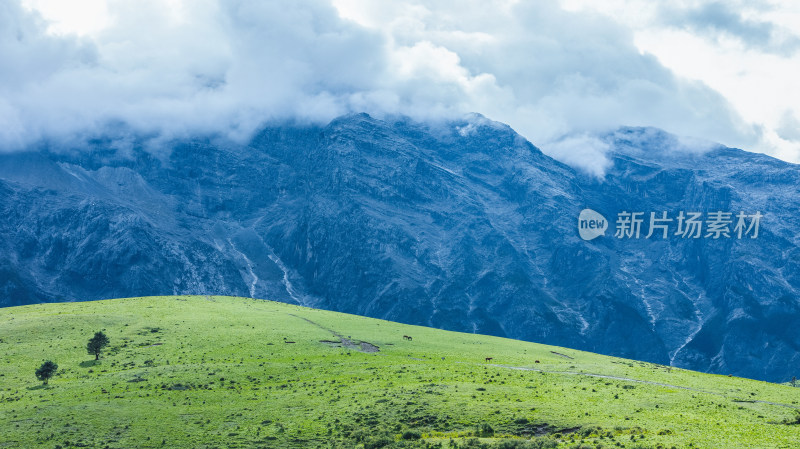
(214, 67)
(226, 67)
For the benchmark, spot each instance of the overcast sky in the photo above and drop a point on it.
(556, 71)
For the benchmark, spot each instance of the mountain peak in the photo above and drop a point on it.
(652, 142)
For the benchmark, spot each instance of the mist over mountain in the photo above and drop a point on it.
(460, 225)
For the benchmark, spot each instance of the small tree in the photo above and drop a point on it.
(46, 371)
(96, 344)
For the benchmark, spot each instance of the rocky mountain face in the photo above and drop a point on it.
(462, 225)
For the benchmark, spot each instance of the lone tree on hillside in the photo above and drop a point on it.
(46, 371)
(96, 344)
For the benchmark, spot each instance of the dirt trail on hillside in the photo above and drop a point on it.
(363, 346)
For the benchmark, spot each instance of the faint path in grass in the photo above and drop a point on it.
(767, 402)
(648, 382)
(363, 346)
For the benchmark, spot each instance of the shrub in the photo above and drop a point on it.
(377, 442)
(411, 435)
(485, 430)
(795, 420)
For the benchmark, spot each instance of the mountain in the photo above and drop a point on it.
(221, 372)
(461, 225)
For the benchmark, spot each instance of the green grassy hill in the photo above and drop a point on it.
(220, 372)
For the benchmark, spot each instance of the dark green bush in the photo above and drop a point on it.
(485, 430)
(411, 435)
(377, 442)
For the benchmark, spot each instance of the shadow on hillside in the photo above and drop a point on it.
(89, 363)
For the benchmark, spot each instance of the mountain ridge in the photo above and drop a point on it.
(462, 225)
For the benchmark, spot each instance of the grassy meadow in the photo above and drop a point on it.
(223, 372)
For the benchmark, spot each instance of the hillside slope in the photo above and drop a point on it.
(210, 371)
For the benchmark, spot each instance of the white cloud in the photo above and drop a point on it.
(552, 70)
(584, 151)
(746, 51)
(215, 67)
(81, 17)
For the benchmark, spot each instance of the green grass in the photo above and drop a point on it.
(217, 372)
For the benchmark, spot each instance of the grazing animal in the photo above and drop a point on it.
(537, 361)
(489, 359)
(407, 337)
